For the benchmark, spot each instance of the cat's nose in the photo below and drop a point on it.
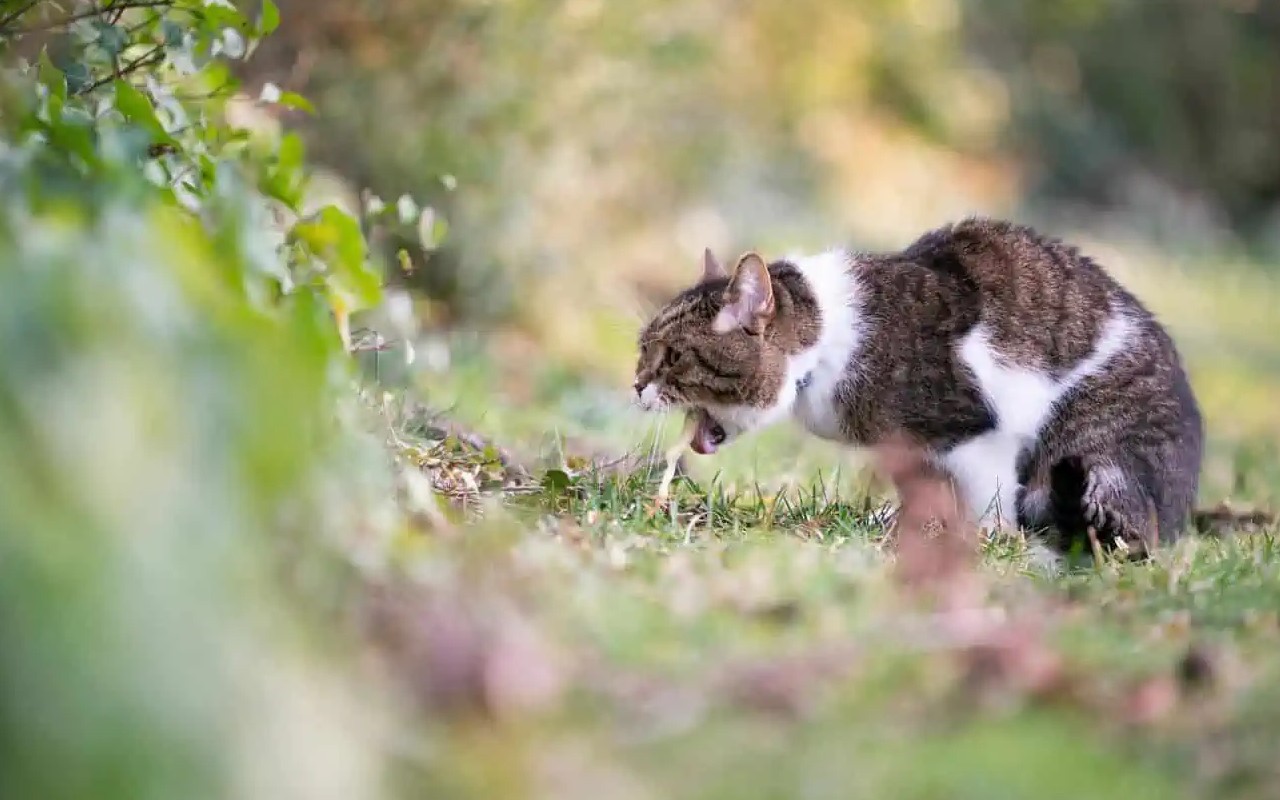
(639, 387)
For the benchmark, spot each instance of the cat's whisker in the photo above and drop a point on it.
(655, 443)
(633, 313)
(648, 442)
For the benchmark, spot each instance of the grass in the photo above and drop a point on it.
(757, 647)
(751, 640)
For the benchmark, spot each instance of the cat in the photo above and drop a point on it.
(1048, 392)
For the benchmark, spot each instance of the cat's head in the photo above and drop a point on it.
(719, 348)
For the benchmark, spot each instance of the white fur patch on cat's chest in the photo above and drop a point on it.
(827, 363)
(816, 408)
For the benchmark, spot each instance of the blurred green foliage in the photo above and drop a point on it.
(180, 444)
(562, 135)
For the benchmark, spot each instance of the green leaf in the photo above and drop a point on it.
(556, 481)
(70, 130)
(269, 19)
(334, 236)
(172, 33)
(214, 77)
(272, 94)
(291, 152)
(285, 179)
(295, 100)
(137, 108)
(51, 77)
(217, 15)
(439, 230)
(111, 38)
(78, 77)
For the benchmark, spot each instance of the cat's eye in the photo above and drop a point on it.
(671, 357)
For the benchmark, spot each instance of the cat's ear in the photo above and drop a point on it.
(748, 301)
(711, 268)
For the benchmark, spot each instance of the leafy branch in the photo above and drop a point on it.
(115, 9)
(151, 58)
(17, 14)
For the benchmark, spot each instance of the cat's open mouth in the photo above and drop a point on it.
(708, 434)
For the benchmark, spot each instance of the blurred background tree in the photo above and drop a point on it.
(1110, 95)
(586, 149)
(183, 461)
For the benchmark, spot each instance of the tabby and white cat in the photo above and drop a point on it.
(1049, 393)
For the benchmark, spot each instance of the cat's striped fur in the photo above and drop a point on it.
(1049, 392)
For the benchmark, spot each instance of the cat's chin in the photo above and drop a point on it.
(708, 434)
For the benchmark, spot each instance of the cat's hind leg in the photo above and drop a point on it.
(1108, 495)
(1035, 500)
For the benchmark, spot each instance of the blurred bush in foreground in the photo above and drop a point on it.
(177, 493)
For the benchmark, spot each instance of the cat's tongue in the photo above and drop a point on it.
(707, 435)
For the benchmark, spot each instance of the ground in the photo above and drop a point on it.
(751, 640)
